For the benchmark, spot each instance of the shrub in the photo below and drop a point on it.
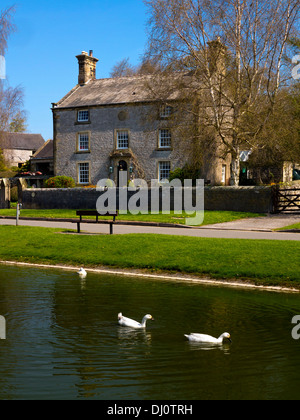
(2, 162)
(187, 172)
(60, 182)
(178, 173)
(25, 167)
(15, 169)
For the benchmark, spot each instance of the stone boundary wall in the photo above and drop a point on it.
(245, 199)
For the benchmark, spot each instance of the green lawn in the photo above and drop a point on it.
(260, 261)
(210, 217)
(295, 226)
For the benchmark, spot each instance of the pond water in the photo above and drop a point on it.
(63, 340)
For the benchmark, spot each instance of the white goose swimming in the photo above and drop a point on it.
(127, 322)
(207, 339)
(82, 273)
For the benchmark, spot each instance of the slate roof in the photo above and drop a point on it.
(21, 141)
(44, 152)
(114, 91)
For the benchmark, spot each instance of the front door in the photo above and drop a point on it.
(122, 170)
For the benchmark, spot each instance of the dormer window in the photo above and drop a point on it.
(83, 116)
(166, 111)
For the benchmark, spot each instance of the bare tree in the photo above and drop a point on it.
(235, 50)
(18, 122)
(6, 27)
(123, 69)
(11, 99)
(279, 140)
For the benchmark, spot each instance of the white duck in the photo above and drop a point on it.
(127, 322)
(82, 273)
(207, 339)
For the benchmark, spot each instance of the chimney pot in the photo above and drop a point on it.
(91, 53)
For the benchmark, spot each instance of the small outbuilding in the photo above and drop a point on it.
(18, 148)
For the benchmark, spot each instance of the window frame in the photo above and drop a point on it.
(86, 121)
(160, 179)
(224, 173)
(79, 173)
(160, 146)
(78, 135)
(166, 111)
(117, 132)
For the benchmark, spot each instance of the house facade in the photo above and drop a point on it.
(104, 126)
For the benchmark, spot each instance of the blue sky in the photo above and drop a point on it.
(41, 54)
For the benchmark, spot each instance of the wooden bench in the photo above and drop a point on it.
(83, 213)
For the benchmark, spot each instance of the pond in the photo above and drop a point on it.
(63, 340)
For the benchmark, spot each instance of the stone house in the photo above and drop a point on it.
(102, 126)
(18, 148)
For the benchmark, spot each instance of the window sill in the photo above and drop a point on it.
(82, 122)
(81, 152)
(125, 150)
(164, 149)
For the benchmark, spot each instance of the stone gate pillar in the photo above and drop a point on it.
(22, 185)
(4, 193)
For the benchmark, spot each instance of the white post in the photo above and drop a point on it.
(19, 205)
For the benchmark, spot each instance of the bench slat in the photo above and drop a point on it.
(95, 213)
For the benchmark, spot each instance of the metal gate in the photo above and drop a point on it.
(286, 200)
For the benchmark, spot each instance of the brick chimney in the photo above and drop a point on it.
(87, 67)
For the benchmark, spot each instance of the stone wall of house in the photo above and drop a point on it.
(247, 199)
(143, 153)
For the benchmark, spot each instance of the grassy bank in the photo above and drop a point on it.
(260, 261)
(296, 226)
(210, 217)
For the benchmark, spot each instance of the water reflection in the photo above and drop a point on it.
(83, 283)
(64, 342)
(225, 348)
(131, 335)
